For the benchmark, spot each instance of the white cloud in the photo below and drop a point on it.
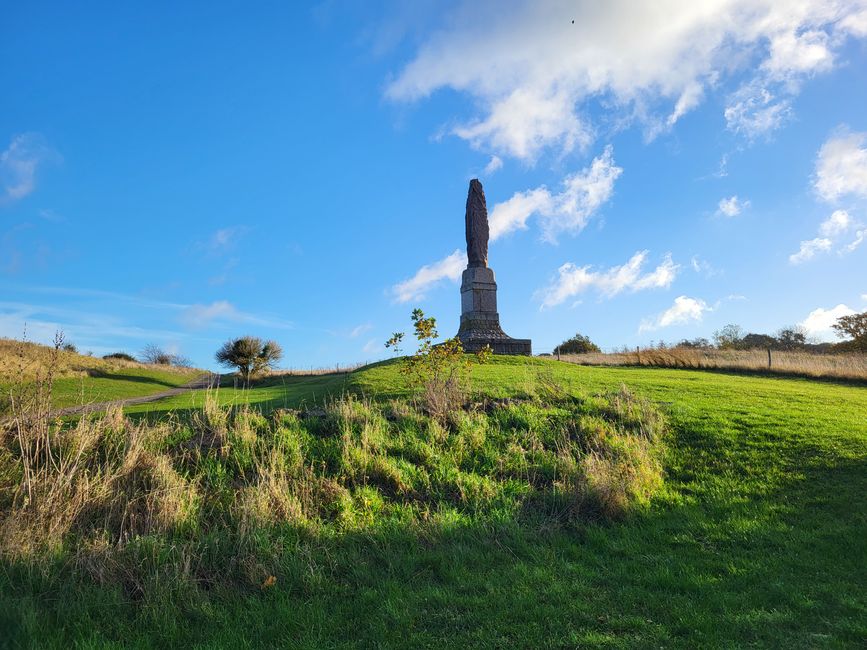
(567, 211)
(819, 321)
(572, 280)
(222, 311)
(223, 239)
(415, 288)
(531, 66)
(373, 346)
(841, 166)
(793, 53)
(703, 266)
(359, 330)
(809, 249)
(684, 310)
(20, 162)
(838, 223)
(494, 165)
(732, 206)
(860, 235)
(753, 110)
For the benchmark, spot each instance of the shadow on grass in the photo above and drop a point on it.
(139, 379)
(725, 558)
(738, 372)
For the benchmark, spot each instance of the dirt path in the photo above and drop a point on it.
(209, 380)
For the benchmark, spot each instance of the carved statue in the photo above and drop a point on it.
(477, 226)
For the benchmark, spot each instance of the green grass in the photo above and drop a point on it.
(757, 540)
(282, 391)
(120, 383)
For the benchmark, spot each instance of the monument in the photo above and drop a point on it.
(480, 322)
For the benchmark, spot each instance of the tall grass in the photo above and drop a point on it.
(26, 360)
(840, 366)
(220, 496)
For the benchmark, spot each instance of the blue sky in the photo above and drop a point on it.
(179, 175)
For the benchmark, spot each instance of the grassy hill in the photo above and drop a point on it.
(82, 379)
(756, 537)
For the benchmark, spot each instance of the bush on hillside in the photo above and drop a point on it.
(120, 356)
(440, 371)
(578, 344)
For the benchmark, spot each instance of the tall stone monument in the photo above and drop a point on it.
(480, 322)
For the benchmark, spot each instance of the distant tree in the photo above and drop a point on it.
(154, 354)
(70, 347)
(791, 338)
(853, 327)
(729, 337)
(697, 343)
(578, 344)
(250, 355)
(123, 356)
(753, 341)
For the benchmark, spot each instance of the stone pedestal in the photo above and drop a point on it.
(480, 322)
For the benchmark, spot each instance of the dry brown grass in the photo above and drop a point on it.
(838, 366)
(324, 370)
(24, 360)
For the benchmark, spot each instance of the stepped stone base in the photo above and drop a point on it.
(480, 322)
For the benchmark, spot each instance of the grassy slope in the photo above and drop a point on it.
(758, 540)
(283, 391)
(118, 383)
(82, 379)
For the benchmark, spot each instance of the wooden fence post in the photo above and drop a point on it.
(769, 358)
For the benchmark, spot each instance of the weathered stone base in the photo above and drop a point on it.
(480, 322)
(506, 345)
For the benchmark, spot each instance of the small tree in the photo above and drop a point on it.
(250, 355)
(729, 337)
(791, 338)
(853, 327)
(578, 344)
(440, 370)
(155, 354)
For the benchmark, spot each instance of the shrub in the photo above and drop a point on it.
(578, 344)
(121, 356)
(439, 371)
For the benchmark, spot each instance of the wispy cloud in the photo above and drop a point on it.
(494, 165)
(222, 240)
(222, 311)
(732, 206)
(430, 275)
(373, 346)
(809, 249)
(684, 310)
(573, 280)
(20, 162)
(569, 210)
(533, 66)
(358, 330)
(830, 232)
(87, 328)
(703, 266)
